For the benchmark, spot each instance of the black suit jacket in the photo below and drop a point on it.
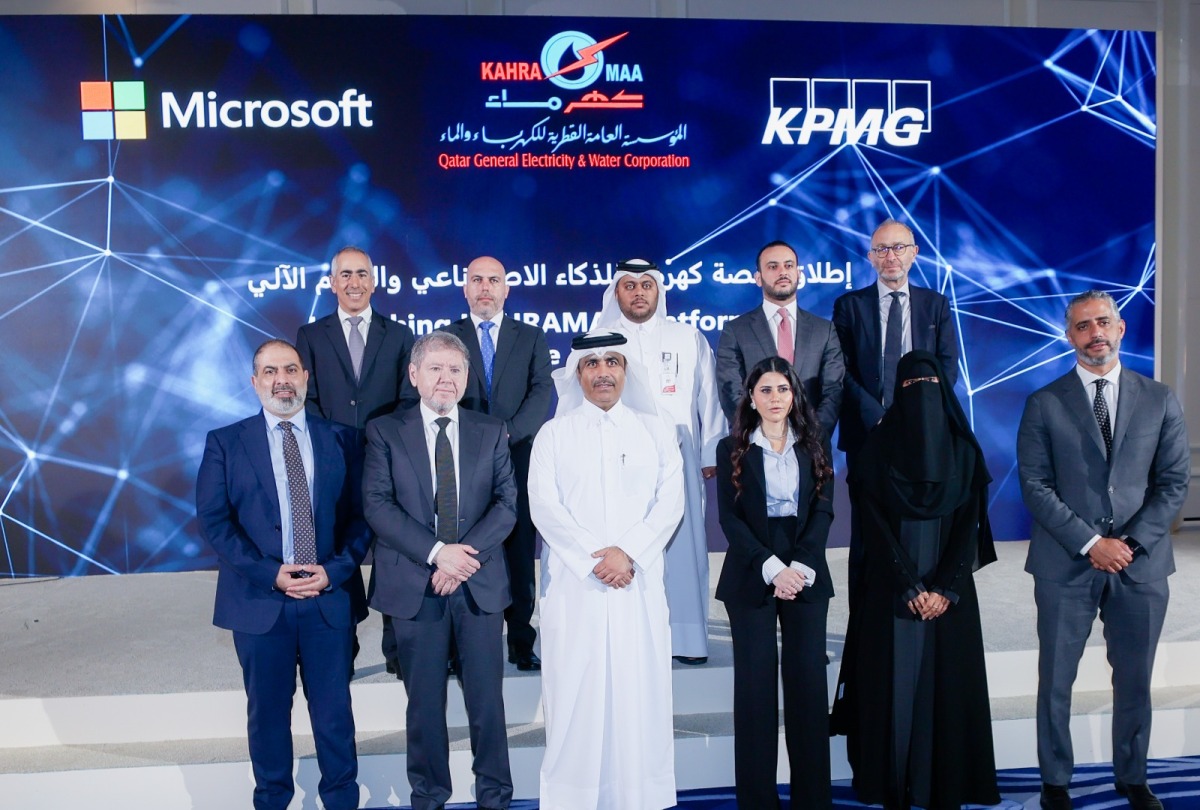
(332, 391)
(399, 504)
(521, 383)
(856, 317)
(748, 338)
(744, 521)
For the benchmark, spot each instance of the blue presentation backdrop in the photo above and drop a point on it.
(172, 189)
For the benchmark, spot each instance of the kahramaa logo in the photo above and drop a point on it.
(848, 111)
(571, 60)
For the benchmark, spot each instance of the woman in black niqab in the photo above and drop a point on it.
(912, 696)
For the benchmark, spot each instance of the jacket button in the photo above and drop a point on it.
(1111, 490)
(352, 402)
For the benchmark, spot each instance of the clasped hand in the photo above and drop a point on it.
(615, 569)
(1110, 554)
(788, 583)
(929, 605)
(455, 563)
(301, 587)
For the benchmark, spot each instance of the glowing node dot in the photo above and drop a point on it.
(110, 179)
(778, 179)
(936, 170)
(668, 262)
(1047, 63)
(138, 61)
(31, 454)
(772, 202)
(106, 252)
(122, 475)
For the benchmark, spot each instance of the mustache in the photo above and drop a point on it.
(283, 389)
(604, 381)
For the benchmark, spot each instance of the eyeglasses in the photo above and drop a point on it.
(884, 250)
(913, 380)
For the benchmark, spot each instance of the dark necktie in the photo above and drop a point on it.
(357, 346)
(786, 341)
(304, 536)
(1100, 408)
(891, 346)
(488, 349)
(447, 489)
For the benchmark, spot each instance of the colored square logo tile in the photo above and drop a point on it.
(98, 126)
(129, 96)
(95, 95)
(130, 125)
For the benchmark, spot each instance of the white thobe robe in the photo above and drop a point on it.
(683, 377)
(600, 479)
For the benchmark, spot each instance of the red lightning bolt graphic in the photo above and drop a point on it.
(587, 56)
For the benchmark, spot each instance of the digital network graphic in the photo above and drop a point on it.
(127, 261)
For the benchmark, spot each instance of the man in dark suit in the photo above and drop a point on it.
(876, 326)
(440, 497)
(809, 342)
(1104, 464)
(278, 497)
(357, 359)
(510, 381)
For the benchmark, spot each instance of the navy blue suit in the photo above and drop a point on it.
(238, 510)
(856, 318)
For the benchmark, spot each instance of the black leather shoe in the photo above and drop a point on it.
(691, 660)
(1055, 797)
(1140, 796)
(525, 660)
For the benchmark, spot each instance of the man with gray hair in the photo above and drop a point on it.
(439, 494)
(683, 381)
(1104, 464)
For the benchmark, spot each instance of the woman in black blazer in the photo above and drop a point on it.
(775, 496)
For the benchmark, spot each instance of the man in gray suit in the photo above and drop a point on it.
(1104, 465)
(438, 492)
(809, 342)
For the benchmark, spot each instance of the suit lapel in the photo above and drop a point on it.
(470, 436)
(324, 461)
(254, 442)
(337, 339)
(1128, 394)
(804, 339)
(868, 304)
(1079, 408)
(412, 436)
(470, 337)
(510, 334)
(761, 329)
(375, 337)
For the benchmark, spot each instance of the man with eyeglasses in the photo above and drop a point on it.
(779, 327)
(876, 326)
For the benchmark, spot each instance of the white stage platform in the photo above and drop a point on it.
(118, 692)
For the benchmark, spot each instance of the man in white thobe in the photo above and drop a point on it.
(683, 380)
(606, 493)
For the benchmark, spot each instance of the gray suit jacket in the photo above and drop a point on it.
(748, 339)
(399, 503)
(1071, 490)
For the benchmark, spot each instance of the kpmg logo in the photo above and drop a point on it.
(113, 111)
(848, 111)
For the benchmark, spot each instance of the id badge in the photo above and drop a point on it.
(668, 371)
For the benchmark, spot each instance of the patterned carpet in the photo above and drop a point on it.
(1175, 781)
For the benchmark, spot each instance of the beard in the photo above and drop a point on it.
(284, 402)
(1114, 347)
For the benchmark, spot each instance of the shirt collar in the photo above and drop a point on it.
(1088, 376)
(757, 437)
(429, 416)
(770, 308)
(343, 315)
(627, 325)
(496, 319)
(884, 290)
(298, 420)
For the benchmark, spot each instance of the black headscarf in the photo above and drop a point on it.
(923, 461)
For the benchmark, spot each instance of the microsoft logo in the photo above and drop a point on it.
(113, 110)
